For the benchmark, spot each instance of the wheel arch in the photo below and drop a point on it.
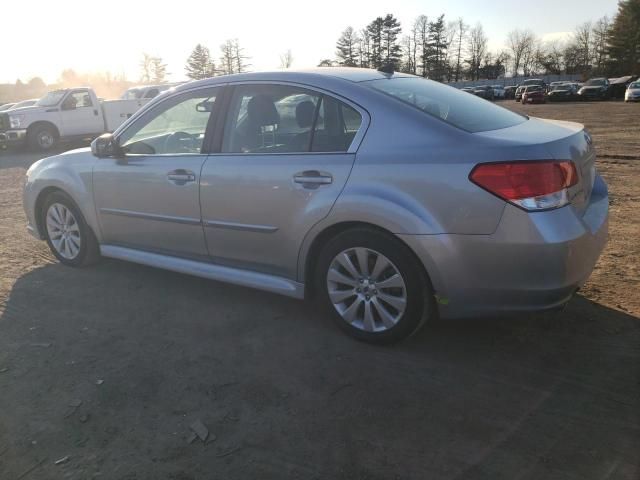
(43, 123)
(310, 254)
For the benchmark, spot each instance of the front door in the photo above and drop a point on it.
(286, 155)
(80, 115)
(149, 199)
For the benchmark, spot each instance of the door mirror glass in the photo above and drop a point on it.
(106, 146)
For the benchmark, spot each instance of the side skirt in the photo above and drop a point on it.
(260, 281)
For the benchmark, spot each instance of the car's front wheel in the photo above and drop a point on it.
(373, 286)
(66, 231)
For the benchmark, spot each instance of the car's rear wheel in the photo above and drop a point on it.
(67, 233)
(373, 286)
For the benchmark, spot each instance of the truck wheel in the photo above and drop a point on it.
(42, 138)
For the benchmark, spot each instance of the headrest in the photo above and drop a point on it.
(261, 111)
(304, 114)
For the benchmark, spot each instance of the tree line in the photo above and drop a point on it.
(453, 50)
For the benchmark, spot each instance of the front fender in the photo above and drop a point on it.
(72, 173)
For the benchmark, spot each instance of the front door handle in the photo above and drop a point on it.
(312, 179)
(181, 176)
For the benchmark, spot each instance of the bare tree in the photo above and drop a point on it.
(583, 41)
(232, 58)
(146, 68)
(421, 29)
(159, 70)
(286, 59)
(476, 50)
(599, 41)
(520, 44)
(457, 46)
(364, 48)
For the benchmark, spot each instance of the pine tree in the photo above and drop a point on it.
(391, 49)
(347, 48)
(624, 39)
(199, 64)
(437, 49)
(375, 30)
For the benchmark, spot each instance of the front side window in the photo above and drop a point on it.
(78, 99)
(286, 119)
(449, 104)
(175, 126)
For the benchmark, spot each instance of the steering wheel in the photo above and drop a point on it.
(175, 143)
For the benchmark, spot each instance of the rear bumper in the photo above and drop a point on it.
(534, 261)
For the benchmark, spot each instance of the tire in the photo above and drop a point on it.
(410, 295)
(69, 237)
(42, 138)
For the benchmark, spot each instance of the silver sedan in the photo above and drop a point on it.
(387, 198)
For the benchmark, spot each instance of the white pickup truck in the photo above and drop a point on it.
(69, 114)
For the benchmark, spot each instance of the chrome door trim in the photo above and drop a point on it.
(151, 216)
(211, 271)
(240, 226)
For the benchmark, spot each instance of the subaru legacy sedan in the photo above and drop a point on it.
(387, 198)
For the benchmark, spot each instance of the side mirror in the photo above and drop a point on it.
(106, 146)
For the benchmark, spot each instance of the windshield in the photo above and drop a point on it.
(51, 99)
(634, 85)
(449, 104)
(596, 82)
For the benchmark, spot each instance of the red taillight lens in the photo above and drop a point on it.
(514, 181)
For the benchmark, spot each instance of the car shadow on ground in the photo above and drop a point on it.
(110, 365)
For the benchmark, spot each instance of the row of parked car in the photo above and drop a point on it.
(535, 90)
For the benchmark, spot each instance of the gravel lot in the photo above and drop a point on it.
(109, 366)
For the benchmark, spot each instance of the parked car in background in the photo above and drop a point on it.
(618, 86)
(6, 106)
(498, 92)
(388, 198)
(510, 92)
(528, 82)
(467, 89)
(484, 91)
(633, 92)
(24, 103)
(595, 89)
(534, 94)
(562, 92)
(72, 113)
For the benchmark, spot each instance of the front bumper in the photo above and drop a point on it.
(533, 261)
(13, 137)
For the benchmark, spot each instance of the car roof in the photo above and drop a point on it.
(353, 75)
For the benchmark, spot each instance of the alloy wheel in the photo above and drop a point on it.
(366, 289)
(63, 231)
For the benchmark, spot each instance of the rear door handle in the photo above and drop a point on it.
(181, 176)
(312, 179)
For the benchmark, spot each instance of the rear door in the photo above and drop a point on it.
(286, 154)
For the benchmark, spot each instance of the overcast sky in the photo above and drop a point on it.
(44, 37)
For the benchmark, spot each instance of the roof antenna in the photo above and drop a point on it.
(386, 68)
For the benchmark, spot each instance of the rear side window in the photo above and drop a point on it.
(449, 104)
(286, 119)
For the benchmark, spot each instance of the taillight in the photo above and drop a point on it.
(537, 185)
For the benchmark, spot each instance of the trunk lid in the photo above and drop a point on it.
(560, 140)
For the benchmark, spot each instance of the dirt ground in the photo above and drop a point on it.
(106, 368)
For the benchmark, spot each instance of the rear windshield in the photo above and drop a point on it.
(455, 107)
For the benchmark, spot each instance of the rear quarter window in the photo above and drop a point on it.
(467, 112)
